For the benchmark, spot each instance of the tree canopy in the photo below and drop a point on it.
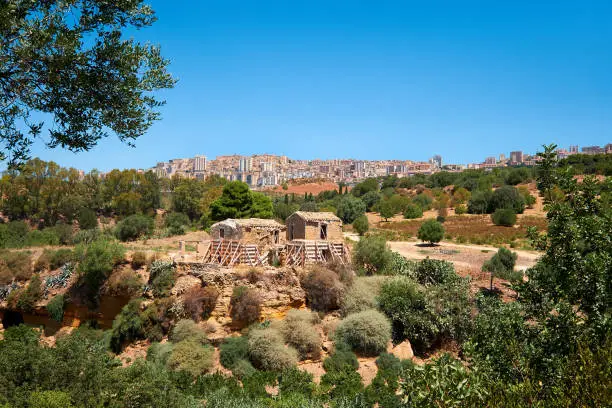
(70, 61)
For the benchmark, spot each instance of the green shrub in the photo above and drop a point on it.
(88, 219)
(460, 209)
(323, 289)
(245, 304)
(371, 255)
(134, 227)
(86, 236)
(299, 332)
(55, 308)
(294, 382)
(426, 316)
(13, 234)
(50, 399)
(232, 350)
(413, 211)
(191, 357)
(200, 302)
(47, 236)
(504, 217)
(157, 318)
(362, 295)
(96, 263)
(424, 201)
(399, 265)
(367, 332)
(502, 265)
(187, 329)
(64, 232)
(139, 259)
(243, 369)
(342, 385)
(431, 231)
(61, 257)
(161, 278)
(176, 223)
(342, 359)
(268, 351)
(445, 379)
(159, 353)
(361, 224)
(32, 294)
(435, 271)
(127, 326)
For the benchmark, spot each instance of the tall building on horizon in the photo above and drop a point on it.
(516, 156)
(245, 164)
(199, 163)
(436, 160)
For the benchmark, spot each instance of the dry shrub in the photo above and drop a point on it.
(245, 304)
(299, 332)
(15, 264)
(125, 282)
(367, 332)
(139, 259)
(323, 289)
(362, 295)
(344, 271)
(51, 260)
(192, 357)
(187, 329)
(43, 263)
(254, 275)
(268, 352)
(200, 302)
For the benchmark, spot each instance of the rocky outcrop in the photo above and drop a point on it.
(279, 288)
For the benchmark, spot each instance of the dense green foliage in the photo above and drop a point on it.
(371, 255)
(431, 231)
(134, 227)
(361, 224)
(237, 201)
(505, 217)
(413, 211)
(350, 208)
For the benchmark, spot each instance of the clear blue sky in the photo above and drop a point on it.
(374, 80)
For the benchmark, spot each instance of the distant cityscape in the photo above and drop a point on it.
(262, 170)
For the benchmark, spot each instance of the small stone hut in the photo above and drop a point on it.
(316, 226)
(262, 232)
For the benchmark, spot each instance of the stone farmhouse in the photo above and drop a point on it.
(307, 237)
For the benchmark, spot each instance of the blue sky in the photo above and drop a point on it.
(373, 80)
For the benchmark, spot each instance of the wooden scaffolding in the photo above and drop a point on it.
(230, 252)
(300, 252)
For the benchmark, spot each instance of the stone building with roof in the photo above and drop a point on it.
(262, 232)
(314, 226)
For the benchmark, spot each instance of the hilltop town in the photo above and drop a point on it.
(262, 170)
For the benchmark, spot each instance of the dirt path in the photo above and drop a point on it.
(462, 255)
(467, 256)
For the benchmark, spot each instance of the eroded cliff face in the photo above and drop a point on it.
(279, 289)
